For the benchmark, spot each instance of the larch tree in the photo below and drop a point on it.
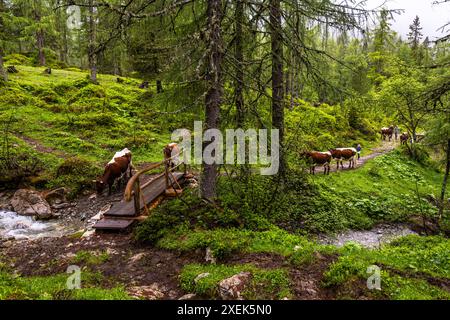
(3, 35)
(40, 35)
(213, 99)
(277, 76)
(92, 34)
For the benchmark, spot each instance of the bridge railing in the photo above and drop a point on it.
(134, 188)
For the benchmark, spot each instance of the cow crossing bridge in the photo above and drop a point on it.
(139, 197)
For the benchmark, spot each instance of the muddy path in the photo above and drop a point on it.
(385, 147)
(146, 272)
(38, 146)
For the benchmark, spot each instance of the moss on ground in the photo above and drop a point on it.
(264, 283)
(54, 287)
(412, 267)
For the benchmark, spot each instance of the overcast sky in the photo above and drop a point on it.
(431, 16)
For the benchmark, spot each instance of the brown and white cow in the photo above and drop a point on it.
(341, 154)
(404, 137)
(387, 132)
(318, 158)
(116, 169)
(172, 152)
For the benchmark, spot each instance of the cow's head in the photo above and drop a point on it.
(99, 185)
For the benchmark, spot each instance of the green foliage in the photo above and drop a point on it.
(264, 284)
(383, 190)
(90, 258)
(76, 173)
(406, 265)
(17, 59)
(224, 242)
(70, 117)
(54, 287)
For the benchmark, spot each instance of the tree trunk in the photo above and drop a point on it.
(40, 45)
(92, 55)
(214, 93)
(3, 72)
(39, 36)
(444, 183)
(239, 55)
(65, 46)
(159, 87)
(277, 76)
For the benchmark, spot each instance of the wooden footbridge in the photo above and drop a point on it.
(140, 198)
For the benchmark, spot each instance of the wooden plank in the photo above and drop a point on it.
(150, 193)
(113, 224)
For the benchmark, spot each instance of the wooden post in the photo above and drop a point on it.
(184, 162)
(137, 197)
(166, 168)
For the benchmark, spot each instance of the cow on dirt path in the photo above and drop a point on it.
(341, 154)
(318, 158)
(387, 132)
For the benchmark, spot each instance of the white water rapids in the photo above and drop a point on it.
(383, 233)
(19, 227)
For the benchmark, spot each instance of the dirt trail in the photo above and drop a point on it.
(147, 272)
(384, 148)
(35, 144)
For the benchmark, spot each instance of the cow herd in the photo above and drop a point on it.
(120, 167)
(315, 158)
(320, 158)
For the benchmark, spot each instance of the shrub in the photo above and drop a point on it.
(47, 95)
(17, 58)
(93, 120)
(76, 173)
(13, 96)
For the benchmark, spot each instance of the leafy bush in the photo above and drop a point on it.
(403, 264)
(47, 95)
(54, 288)
(17, 59)
(76, 173)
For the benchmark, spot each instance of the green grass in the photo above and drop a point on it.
(54, 287)
(405, 265)
(224, 242)
(264, 283)
(69, 117)
(90, 258)
(383, 190)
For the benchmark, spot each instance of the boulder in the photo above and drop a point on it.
(137, 257)
(189, 296)
(55, 196)
(88, 233)
(209, 257)
(231, 288)
(201, 276)
(31, 203)
(151, 292)
(5, 201)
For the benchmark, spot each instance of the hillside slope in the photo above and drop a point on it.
(61, 123)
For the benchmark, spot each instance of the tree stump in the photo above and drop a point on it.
(143, 85)
(12, 69)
